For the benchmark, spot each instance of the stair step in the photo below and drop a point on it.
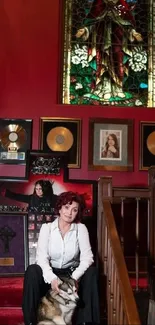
(11, 316)
(142, 283)
(11, 290)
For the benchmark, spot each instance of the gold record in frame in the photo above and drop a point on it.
(60, 139)
(13, 135)
(151, 142)
(147, 145)
(62, 135)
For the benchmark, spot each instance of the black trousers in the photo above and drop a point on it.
(35, 288)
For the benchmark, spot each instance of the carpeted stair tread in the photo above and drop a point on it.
(11, 291)
(11, 299)
(11, 316)
(142, 283)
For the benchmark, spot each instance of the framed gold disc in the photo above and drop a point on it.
(151, 142)
(64, 135)
(60, 139)
(147, 145)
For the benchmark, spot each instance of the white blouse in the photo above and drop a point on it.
(72, 250)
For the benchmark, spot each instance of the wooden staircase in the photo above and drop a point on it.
(126, 305)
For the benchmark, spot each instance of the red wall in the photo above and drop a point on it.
(29, 80)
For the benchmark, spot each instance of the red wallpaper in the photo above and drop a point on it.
(30, 75)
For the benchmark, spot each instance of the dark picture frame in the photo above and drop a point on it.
(13, 230)
(64, 134)
(15, 141)
(115, 159)
(147, 145)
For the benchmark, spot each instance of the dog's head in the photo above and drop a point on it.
(68, 292)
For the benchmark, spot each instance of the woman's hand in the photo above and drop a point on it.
(112, 149)
(55, 285)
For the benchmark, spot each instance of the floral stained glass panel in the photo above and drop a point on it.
(108, 53)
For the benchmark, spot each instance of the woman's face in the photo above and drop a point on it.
(39, 190)
(68, 212)
(111, 141)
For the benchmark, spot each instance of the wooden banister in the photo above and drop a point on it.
(117, 276)
(121, 305)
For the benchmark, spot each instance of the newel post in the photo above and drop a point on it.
(105, 188)
(104, 192)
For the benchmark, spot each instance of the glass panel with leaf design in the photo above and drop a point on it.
(108, 53)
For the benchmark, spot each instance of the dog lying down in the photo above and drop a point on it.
(58, 308)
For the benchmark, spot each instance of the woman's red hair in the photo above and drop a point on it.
(67, 198)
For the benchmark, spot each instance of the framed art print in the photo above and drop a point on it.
(147, 145)
(110, 144)
(13, 243)
(62, 135)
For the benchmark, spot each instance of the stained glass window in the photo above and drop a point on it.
(109, 56)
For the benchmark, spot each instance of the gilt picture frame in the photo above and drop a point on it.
(59, 134)
(146, 145)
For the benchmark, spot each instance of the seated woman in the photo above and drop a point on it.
(63, 249)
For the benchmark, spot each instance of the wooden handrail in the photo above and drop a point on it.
(127, 192)
(129, 309)
(123, 195)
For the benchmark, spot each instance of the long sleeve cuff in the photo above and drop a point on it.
(49, 276)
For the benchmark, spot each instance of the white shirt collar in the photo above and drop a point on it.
(54, 225)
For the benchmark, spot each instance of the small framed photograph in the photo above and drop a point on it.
(62, 135)
(147, 145)
(110, 144)
(13, 256)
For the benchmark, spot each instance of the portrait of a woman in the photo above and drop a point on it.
(111, 149)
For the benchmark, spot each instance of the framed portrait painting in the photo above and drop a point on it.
(147, 145)
(110, 144)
